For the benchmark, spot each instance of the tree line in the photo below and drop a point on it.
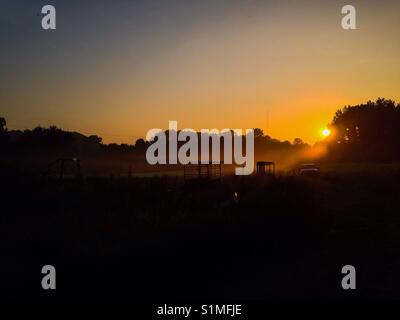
(363, 132)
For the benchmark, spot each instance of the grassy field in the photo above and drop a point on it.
(252, 237)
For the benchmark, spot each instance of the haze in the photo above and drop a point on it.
(120, 69)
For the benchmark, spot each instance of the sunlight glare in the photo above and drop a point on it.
(326, 132)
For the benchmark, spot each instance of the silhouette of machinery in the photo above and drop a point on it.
(265, 167)
(58, 167)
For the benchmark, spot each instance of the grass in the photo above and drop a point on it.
(279, 237)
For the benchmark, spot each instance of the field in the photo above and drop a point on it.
(251, 238)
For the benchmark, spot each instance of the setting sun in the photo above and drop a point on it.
(326, 132)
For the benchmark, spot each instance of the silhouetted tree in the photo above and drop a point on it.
(367, 131)
(298, 142)
(52, 141)
(95, 139)
(3, 131)
(3, 125)
(258, 133)
(140, 144)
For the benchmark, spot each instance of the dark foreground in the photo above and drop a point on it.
(153, 239)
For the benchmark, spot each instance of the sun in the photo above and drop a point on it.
(326, 132)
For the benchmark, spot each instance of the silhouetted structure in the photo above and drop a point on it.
(264, 167)
(61, 162)
(208, 171)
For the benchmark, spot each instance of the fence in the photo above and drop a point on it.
(205, 171)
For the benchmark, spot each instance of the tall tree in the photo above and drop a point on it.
(368, 131)
(3, 131)
(3, 125)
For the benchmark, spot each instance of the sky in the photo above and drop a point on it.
(120, 68)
